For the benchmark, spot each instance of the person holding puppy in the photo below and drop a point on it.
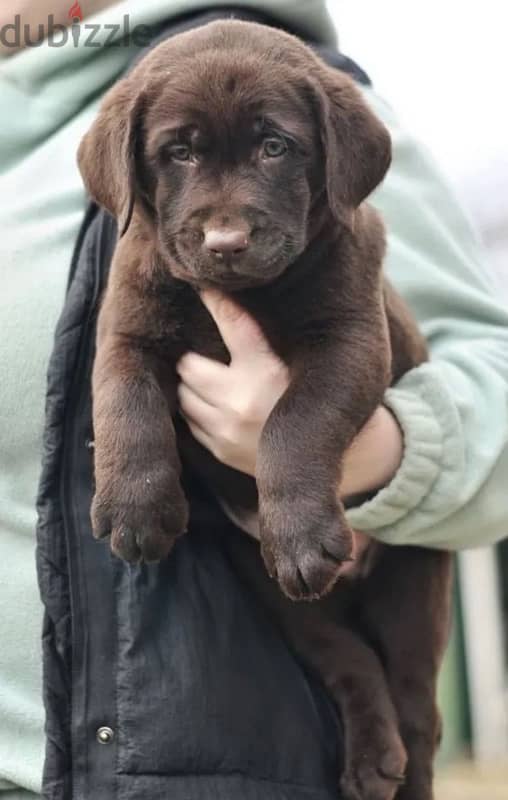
(432, 462)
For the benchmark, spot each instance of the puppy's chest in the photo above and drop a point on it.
(289, 318)
(183, 323)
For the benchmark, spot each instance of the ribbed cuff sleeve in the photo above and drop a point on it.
(423, 412)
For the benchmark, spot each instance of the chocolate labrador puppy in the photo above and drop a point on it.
(232, 157)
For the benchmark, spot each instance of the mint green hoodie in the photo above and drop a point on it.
(450, 490)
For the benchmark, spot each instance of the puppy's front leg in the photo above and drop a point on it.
(138, 498)
(335, 388)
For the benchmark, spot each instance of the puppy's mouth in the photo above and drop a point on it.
(258, 267)
(234, 273)
(232, 282)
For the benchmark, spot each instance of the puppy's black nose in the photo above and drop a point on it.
(226, 241)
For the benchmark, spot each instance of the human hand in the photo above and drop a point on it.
(226, 407)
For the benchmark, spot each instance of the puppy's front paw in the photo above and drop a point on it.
(304, 544)
(143, 514)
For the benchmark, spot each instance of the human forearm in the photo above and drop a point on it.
(374, 456)
(450, 490)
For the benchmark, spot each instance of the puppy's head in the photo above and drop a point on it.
(234, 142)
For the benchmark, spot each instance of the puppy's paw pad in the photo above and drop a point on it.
(124, 544)
(143, 544)
(376, 769)
(305, 576)
(101, 519)
(143, 525)
(368, 785)
(305, 557)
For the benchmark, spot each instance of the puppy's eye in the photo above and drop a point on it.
(180, 152)
(274, 147)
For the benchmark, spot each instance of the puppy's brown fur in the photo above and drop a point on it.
(238, 132)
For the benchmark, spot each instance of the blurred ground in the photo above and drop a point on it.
(469, 782)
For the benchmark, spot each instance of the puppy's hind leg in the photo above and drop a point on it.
(406, 608)
(374, 757)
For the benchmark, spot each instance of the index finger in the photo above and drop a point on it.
(240, 332)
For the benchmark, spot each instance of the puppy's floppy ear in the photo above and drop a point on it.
(107, 153)
(357, 146)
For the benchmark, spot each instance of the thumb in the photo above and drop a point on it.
(240, 332)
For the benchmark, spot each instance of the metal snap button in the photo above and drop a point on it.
(105, 735)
